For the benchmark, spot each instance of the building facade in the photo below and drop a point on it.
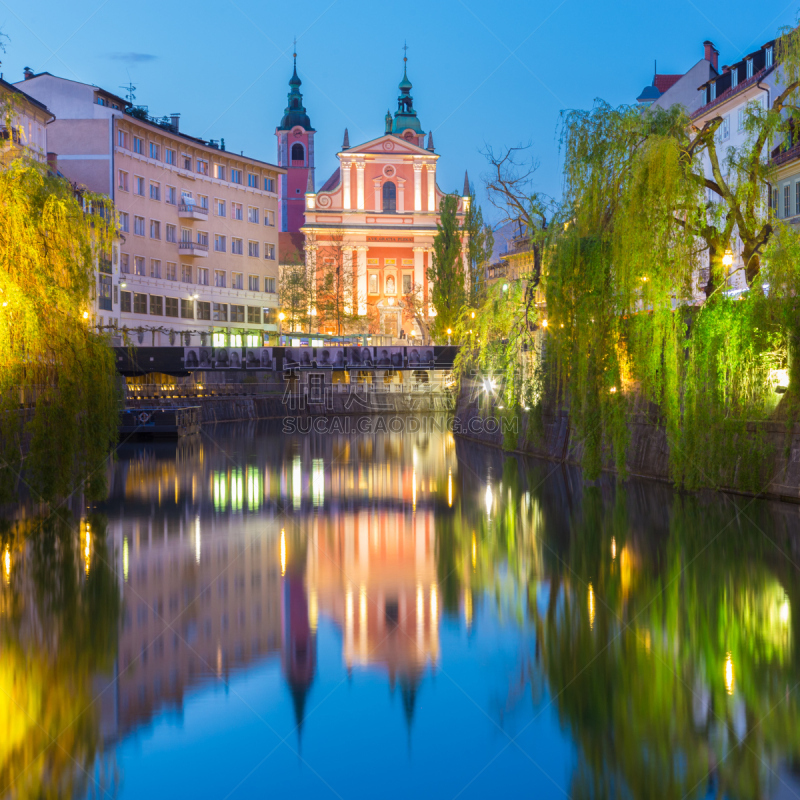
(373, 221)
(197, 250)
(24, 127)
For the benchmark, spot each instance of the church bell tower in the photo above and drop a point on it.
(296, 153)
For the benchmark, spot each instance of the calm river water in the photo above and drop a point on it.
(394, 615)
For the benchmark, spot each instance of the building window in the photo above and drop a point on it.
(219, 312)
(406, 283)
(124, 264)
(155, 152)
(298, 152)
(740, 119)
(155, 229)
(122, 139)
(172, 233)
(724, 130)
(712, 91)
(269, 285)
(138, 265)
(138, 145)
(252, 281)
(797, 198)
(768, 56)
(123, 180)
(237, 313)
(237, 247)
(203, 310)
(203, 199)
(236, 211)
(219, 171)
(749, 67)
(170, 306)
(124, 221)
(187, 309)
(237, 280)
(139, 303)
(138, 226)
(138, 185)
(219, 243)
(734, 77)
(186, 273)
(269, 251)
(389, 197)
(253, 315)
(172, 195)
(221, 208)
(786, 199)
(252, 214)
(156, 305)
(252, 180)
(187, 165)
(155, 191)
(172, 271)
(252, 249)
(155, 268)
(170, 157)
(775, 200)
(269, 184)
(202, 167)
(202, 276)
(125, 301)
(104, 293)
(219, 278)
(236, 176)
(373, 283)
(269, 218)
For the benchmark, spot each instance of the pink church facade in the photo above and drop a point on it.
(377, 214)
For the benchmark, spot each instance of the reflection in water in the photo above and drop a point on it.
(656, 629)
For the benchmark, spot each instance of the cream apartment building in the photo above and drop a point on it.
(23, 131)
(197, 251)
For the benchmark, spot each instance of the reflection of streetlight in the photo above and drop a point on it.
(281, 318)
(729, 673)
(283, 552)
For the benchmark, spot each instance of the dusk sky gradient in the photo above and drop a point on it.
(484, 74)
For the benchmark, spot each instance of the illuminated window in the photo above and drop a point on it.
(218, 339)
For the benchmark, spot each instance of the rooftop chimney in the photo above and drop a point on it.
(28, 73)
(175, 119)
(711, 54)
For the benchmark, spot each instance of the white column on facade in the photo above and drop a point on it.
(419, 268)
(360, 166)
(401, 194)
(377, 185)
(417, 187)
(361, 279)
(346, 165)
(431, 309)
(431, 187)
(347, 266)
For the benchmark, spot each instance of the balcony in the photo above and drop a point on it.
(193, 249)
(192, 211)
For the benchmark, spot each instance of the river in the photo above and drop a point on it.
(396, 613)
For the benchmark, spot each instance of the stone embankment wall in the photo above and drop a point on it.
(648, 453)
(230, 409)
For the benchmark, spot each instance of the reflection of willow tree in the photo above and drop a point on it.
(663, 668)
(58, 628)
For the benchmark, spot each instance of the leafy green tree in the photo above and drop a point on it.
(480, 243)
(446, 273)
(294, 295)
(336, 296)
(52, 362)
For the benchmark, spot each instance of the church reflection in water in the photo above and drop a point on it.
(224, 562)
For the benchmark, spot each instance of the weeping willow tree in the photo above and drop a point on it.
(58, 398)
(659, 223)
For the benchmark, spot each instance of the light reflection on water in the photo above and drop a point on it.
(396, 615)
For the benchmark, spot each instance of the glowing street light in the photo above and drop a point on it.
(727, 259)
(449, 334)
(544, 323)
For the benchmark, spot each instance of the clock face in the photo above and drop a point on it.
(297, 132)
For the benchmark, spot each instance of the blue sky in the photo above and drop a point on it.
(484, 74)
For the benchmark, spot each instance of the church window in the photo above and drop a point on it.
(389, 197)
(298, 153)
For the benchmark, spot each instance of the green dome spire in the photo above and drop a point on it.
(406, 116)
(295, 111)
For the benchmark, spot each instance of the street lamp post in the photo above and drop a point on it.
(449, 334)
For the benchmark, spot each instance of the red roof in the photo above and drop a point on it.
(664, 82)
(331, 182)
